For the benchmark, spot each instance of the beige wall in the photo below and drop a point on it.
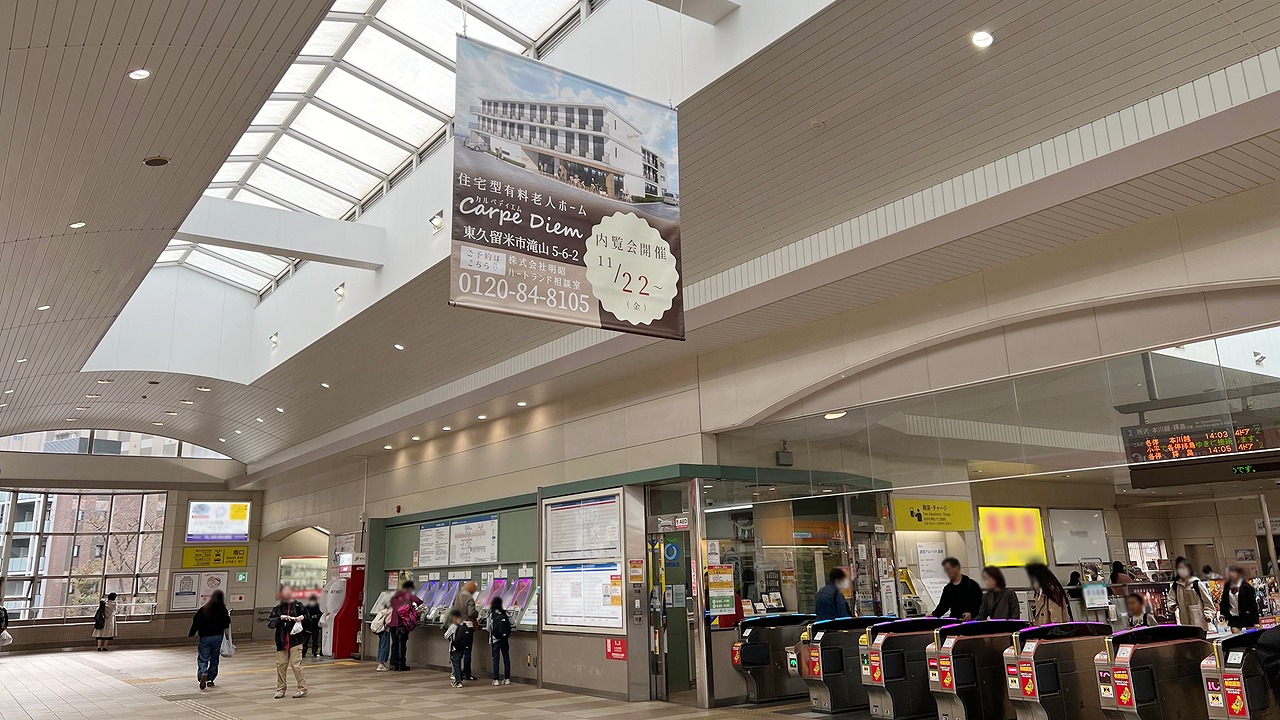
(1227, 523)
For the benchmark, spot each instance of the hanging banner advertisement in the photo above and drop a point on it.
(565, 198)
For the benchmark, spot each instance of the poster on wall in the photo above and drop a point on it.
(307, 575)
(584, 596)
(473, 541)
(566, 198)
(720, 596)
(433, 544)
(1011, 536)
(209, 582)
(217, 522)
(343, 544)
(184, 591)
(930, 556)
(584, 529)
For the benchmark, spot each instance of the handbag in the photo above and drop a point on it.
(228, 648)
(5, 638)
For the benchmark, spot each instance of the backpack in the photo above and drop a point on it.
(379, 624)
(462, 635)
(500, 625)
(100, 617)
(407, 616)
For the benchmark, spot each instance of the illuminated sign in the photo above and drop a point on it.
(1011, 536)
(218, 522)
(211, 557)
(1191, 438)
(931, 514)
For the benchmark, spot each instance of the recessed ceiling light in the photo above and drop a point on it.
(827, 490)
(171, 413)
(237, 432)
(158, 424)
(4, 404)
(139, 74)
(341, 290)
(42, 308)
(72, 419)
(834, 415)
(707, 487)
(324, 385)
(398, 346)
(259, 419)
(415, 438)
(386, 447)
(279, 409)
(203, 388)
(222, 439)
(105, 381)
(93, 396)
(446, 428)
(77, 224)
(83, 407)
(21, 360)
(521, 404)
(482, 417)
(155, 161)
(982, 39)
(187, 402)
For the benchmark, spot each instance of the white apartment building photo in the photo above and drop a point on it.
(588, 146)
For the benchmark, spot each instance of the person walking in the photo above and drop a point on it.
(104, 622)
(962, 597)
(465, 604)
(1239, 601)
(459, 634)
(313, 614)
(1050, 603)
(500, 627)
(998, 602)
(288, 621)
(210, 622)
(1190, 596)
(403, 620)
(830, 603)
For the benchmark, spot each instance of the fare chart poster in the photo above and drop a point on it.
(566, 198)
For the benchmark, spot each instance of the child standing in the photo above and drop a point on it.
(459, 635)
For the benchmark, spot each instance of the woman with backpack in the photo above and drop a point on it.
(404, 618)
(500, 640)
(104, 622)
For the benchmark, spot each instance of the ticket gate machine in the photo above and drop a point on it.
(895, 672)
(832, 668)
(1234, 684)
(798, 655)
(1049, 671)
(1153, 673)
(761, 656)
(967, 670)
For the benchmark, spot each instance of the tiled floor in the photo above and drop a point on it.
(159, 684)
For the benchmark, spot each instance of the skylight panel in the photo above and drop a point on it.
(248, 196)
(274, 112)
(230, 172)
(298, 78)
(322, 166)
(298, 192)
(357, 97)
(354, 6)
(216, 192)
(171, 256)
(437, 23)
(251, 143)
(227, 271)
(401, 67)
(331, 130)
(327, 38)
(532, 19)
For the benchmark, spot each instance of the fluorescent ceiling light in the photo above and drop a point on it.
(93, 396)
(187, 402)
(446, 428)
(415, 438)
(21, 360)
(158, 424)
(748, 506)
(237, 432)
(72, 419)
(280, 410)
(82, 407)
(982, 39)
(170, 413)
(259, 419)
(222, 439)
(105, 381)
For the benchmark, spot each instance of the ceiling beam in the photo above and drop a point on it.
(708, 11)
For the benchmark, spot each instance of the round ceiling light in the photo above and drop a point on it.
(982, 39)
(77, 224)
(139, 74)
(155, 161)
(386, 447)
(415, 438)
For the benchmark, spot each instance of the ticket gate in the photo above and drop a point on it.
(832, 668)
(967, 670)
(1153, 673)
(1049, 671)
(1234, 684)
(895, 671)
(761, 656)
(798, 654)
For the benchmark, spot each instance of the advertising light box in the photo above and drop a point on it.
(1011, 536)
(218, 521)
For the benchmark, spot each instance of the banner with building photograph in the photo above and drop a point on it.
(566, 198)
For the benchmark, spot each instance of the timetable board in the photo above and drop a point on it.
(473, 541)
(584, 529)
(584, 596)
(433, 544)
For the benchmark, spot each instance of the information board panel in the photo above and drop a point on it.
(433, 544)
(473, 541)
(1192, 437)
(584, 596)
(584, 529)
(218, 521)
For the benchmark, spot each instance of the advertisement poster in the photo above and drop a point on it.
(1011, 536)
(720, 596)
(932, 514)
(210, 581)
(474, 541)
(307, 575)
(566, 198)
(931, 555)
(217, 522)
(184, 591)
(584, 529)
(433, 544)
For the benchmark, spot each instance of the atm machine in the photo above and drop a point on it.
(761, 655)
(1153, 673)
(1049, 671)
(967, 669)
(1234, 685)
(895, 672)
(832, 668)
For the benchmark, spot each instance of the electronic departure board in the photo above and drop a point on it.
(1192, 438)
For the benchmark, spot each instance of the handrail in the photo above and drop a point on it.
(124, 614)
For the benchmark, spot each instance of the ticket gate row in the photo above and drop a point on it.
(1049, 671)
(761, 656)
(967, 669)
(831, 661)
(1234, 685)
(894, 670)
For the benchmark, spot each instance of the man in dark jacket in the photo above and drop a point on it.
(1239, 605)
(830, 602)
(313, 613)
(962, 597)
(285, 616)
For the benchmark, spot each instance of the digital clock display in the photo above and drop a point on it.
(1192, 438)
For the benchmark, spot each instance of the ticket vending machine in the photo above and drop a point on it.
(967, 669)
(761, 656)
(1049, 671)
(895, 673)
(1153, 673)
(1234, 685)
(833, 666)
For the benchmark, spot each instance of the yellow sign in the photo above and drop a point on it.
(930, 514)
(211, 557)
(1011, 536)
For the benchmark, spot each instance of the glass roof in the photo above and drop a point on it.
(372, 85)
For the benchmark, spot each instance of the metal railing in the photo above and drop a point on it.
(134, 612)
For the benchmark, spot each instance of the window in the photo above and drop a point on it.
(71, 548)
(104, 442)
(1147, 554)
